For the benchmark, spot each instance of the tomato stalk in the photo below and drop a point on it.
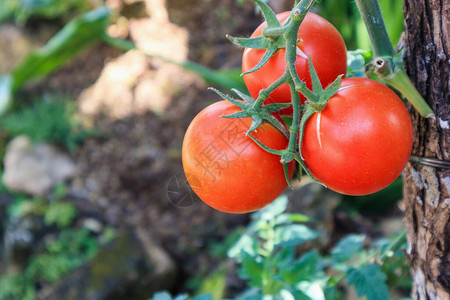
(388, 68)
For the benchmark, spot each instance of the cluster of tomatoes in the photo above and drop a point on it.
(357, 145)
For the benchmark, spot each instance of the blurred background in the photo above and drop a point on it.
(96, 96)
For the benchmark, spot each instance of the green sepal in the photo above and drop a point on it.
(239, 114)
(308, 172)
(331, 90)
(286, 175)
(317, 86)
(236, 102)
(309, 111)
(256, 121)
(254, 43)
(277, 124)
(268, 14)
(269, 52)
(266, 148)
(248, 99)
(274, 107)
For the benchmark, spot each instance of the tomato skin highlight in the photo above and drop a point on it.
(320, 40)
(362, 140)
(226, 168)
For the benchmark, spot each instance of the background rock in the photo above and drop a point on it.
(34, 169)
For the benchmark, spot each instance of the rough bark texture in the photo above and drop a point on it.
(427, 189)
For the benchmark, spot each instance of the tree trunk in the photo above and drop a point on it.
(427, 187)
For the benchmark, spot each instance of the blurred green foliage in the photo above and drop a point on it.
(21, 10)
(65, 249)
(268, 256)
(344, 15)
(48, 120)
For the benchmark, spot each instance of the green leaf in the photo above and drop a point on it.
(269, 52)
(369, 281)
(312, 289)
(203, 297)
(252, 269)
(60, 214)
(68, 42)
(294, 234)
(268, 14)
(356, 62)
(162, 296)
(272, 210)
(246, 244)
(348, 247)
(302, 269)
(5, 93)
(254, 43)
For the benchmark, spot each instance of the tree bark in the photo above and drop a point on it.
(427, 188)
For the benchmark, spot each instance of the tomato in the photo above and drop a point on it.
(226, 168)
(361, 141)
(320, 40)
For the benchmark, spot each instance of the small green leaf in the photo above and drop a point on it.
(245, 244)
(348, 247)
(317, 86)
(162, 296)
(312, 289)
(369, 281)
(294, 234)
(299, 218)
(5, 93)
(272, 210)
(269, 52)
(254, 43)
(268, 14)
(302, 269)
(203, 297)
(252, 269)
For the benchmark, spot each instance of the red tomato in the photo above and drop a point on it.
(320, 40)
(362, 140)
(226, 168)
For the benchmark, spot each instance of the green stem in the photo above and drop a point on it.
(388, 68)
(400, 81)
(273, 32)
(265, 93)
(295, 118)
(379, 38)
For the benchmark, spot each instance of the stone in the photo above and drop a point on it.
(35, 168)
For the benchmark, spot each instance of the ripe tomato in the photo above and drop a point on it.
(320, 40)
(226, 168)
(361, 141)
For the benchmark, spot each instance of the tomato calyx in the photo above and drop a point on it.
(258, 114)
(272, 39)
